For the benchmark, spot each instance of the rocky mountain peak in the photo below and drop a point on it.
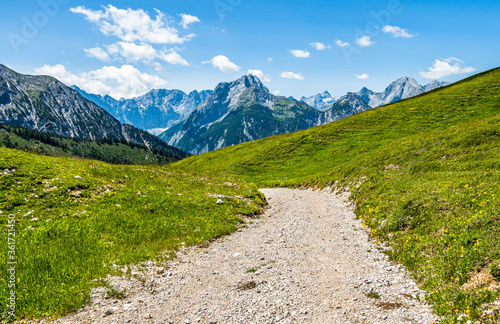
(352, 100)
(252, 79)
(365, 90)
(402, 88)
(405, 82)
(436, 84)
(238, 86)
(320, 100)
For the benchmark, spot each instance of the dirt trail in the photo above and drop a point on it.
(306, 260)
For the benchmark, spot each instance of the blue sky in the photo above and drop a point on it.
(125, 48)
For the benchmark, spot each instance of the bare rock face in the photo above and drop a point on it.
(156, 110)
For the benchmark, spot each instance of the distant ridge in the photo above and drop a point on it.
(157, 109)
(402, 88)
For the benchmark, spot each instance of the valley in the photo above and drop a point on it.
(422, 174)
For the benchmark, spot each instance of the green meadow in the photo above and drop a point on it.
(75, 219)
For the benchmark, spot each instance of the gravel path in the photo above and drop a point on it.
(306, 260)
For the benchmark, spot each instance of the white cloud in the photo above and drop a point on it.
(124, 82)
(365, 41)
(397, 31)
(260, 75)
(363, 76)
(339, 43)
(269, 59)
(138, 31)
(93, 16)
(300, 53)
(98, 53)
(224, 64)
(173, 58)
(133, 25)
(144, 52)
(133, 52)
(157, 66)
(320, 46)
(291, 75)
(187, 20)
(443, 68)
(277, 92)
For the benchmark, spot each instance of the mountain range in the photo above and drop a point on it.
(44, 104)
(402, 88)
(244, 110)
(198, 122)
(159, 110)
(155, 111)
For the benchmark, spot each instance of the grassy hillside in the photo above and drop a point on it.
(75, 219)
(424, 174)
